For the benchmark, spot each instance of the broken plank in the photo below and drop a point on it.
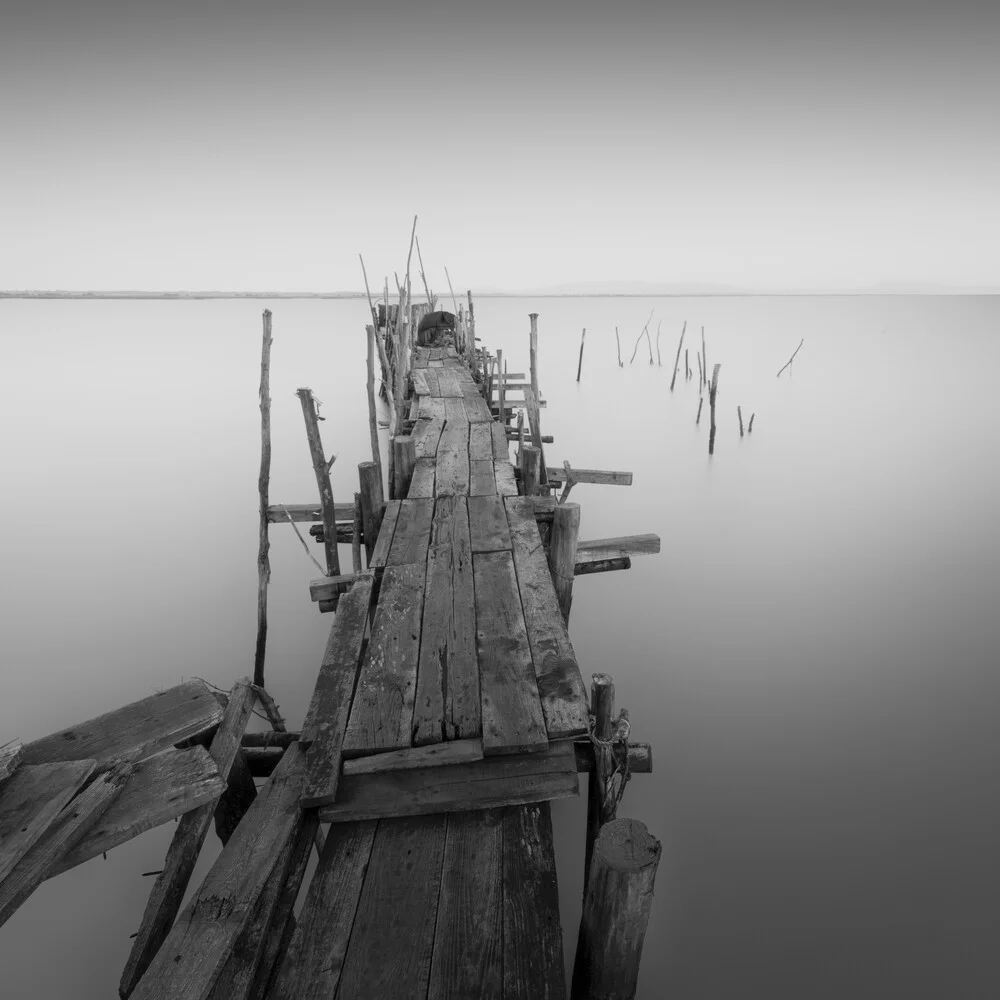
(426, 433)
(482, 481)
(160, 789)
(503, 472)
(11, 754)
(432, 755)
(483, 784)
(185, 847)
(558, 475)
(283, 513)
(412, 534)
(393, 936)
(480, 443)
(188, 964)
(533, 966)
(386, 533)
(560, 685)
(422, 483)
(431, 408)
(488, 524)
(30, 801)
(616, 548)
(382, 711)
(468, 939)
(453, 460)
(326, 718)
(512, 717)
(135, 731)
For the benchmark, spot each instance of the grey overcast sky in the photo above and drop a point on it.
(261, 146)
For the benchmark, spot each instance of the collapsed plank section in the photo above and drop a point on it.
(512, 716)
(557, 674)
(326, 718)
(135, 731)
(382, 712)
(447, 697)
(482, 784)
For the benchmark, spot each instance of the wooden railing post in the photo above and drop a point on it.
(322, 470)
(405, 458)
(562, 552)
(372, 504)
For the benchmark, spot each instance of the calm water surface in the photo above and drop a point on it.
(813, 655)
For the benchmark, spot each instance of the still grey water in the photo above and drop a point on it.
(814, 655)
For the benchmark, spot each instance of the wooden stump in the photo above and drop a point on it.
(405, 455)
(530, 463)
(562, 552)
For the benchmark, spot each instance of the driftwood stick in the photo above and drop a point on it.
(263, 481)
(750, 425)
(423, 277)
(619, 343)
(704, 359)
(659, 362)
(677, 360)
(739, 413)
(579, 364)
(371, 305)
(570, 480)
(322, 471)
(711, 405)
(792, 358)
(270, 709)
(687, 367)
(305, 544)
(639, 338)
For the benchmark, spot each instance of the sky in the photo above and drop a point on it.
(252, 146)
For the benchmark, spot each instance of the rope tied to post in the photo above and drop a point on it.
(617, 746)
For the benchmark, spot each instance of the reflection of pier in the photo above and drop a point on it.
(448, 712)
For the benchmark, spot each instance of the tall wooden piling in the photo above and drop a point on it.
(616, 911)
(501, 389)
(739, 413)
(372, 504)
(602, 709)
(579, 364)
(677, 360)
(263, 481)
(562, 552)
(372, 411)
(471, 324)
(405, 454)
(530, 460)
(687, 367)
(713, 389)
(704, 359)
(356, 532)
(701, 402)
(619, 343)
(322, 470)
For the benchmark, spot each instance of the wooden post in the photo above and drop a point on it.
(471, 324)
(677, 360)
(739, 413)
(711, 406)
(602, 708)
(579, 364)
(616, 910)
(372, 504)
(562, 552)
(750, 426)
(322, 470)
(619, 343)
(501, 388)
(530, 460)
(263, 481)
(372, 412)
(704, 359)
(533, 352)
(356, 535)
(520, 435)
(405, 450)
(701, 401)
(701, 378)
(687, 367)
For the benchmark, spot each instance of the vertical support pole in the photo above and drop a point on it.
(501, 390)
(579, 364)
(356, 535)
(470, 325)
(405, 451)
(533, 407)
(616, 910)
(711, 406)
(372, 504)
(562, 552)
(739, 413)
(602, 708)
(263, 482)
(322, 471)
(704, 359)
(701, 401)
(520, 435)
(530, 459)
(677, 360)
(687, 367)
(372, 411)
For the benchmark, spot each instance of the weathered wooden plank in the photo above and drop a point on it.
(447, 698)
(588, 566)
(312, 966)
(412, 534)
(283, 513)
(386, 534)
(617, 548)
(422, 483)
(382, 711)
(326, 718)
(468, 939)
(135, 731)
(426, 434)
(188, 964)
(488, 524)
(532, 937)
(480, 443)
(393, 937)
(482, 482)
(431, 408)
(477, 410)
(454, 410)
(11, 754)
(503, 472)
(67, 828)
(326, 588)
(421, 386)
(160, 789)
(30, 800)
(168, 891)
(435, 363)
(484, 784)
(558, 476)
(448, 383)
(432, 755)
(431, 381)
(560, 686)
(414, 411)
(512, 717)
(453, 460)
(501, 447)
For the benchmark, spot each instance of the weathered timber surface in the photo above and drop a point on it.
(412, 534)
(589, 565)
(480, 443)
(431, 408)
(30, 800)
(235, 800)
(602, 476)
(560, 686)
(455, 411)
(393, 937)
(426, 433)
(482, 481)
(134, 732)
(431, 755)
(276, 513)
(11, 755)
(616, 548)
(421, 383)
(326, 718)
(512, 716)
(160, 789)
(468, 940)
(506, 483)
(188, 964)
(382, 711)
(448, 383)
(422, 483)
(488, 524)
(312, 965)
(185, 846)
(386, 534)
(453, 460)
(532, 936)
(447, 704)
(477, 411)
(325, 588)
(501, 447)
(484, 784)
(67, 828)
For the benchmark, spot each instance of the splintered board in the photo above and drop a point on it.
(426, 433)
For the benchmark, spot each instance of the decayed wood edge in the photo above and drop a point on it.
(32, 799)
(151, 737)
(388, 529)
(188, 964)
(615, 548)
(276, 513)
(314, 960)
(185, 846)
(11, 755)
(67, 828)
(326, 588)
(432, 755)
(590, 566)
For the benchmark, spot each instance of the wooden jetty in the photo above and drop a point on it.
(449, 711)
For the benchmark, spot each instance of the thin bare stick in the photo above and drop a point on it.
(371, 305)
(649, 344)
(677, 360)
(792, 358)
(750, 425)
(270, 707)
(372, 411)
(711, 406)
(263, 480)
(700, 378)
(305, 544)
(658, 325)
(423, 277)
(619, 343)
(579, 365)
(644, 330)
(687, 367)
(701, 400)
(704, 359)
(356, 535)
(571, 481)
(739, 413)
